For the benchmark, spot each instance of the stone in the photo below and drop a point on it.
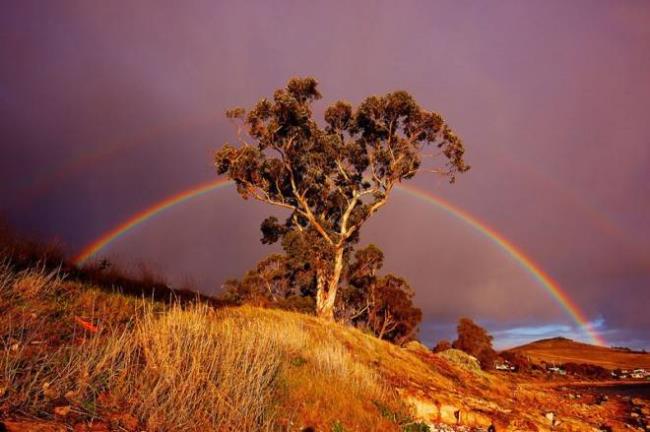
(448, 414)
(461, 358)
(423, 409)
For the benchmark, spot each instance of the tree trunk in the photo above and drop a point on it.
(326, 289)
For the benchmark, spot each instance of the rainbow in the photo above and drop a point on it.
(550, 285)
(544, 279)
(145, 215)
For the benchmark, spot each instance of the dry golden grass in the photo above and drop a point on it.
(192, 367)
(175, 368)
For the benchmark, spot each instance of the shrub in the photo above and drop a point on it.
(475, 341)
(441, 346)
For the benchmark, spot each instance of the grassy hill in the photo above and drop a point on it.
(562, 350)
(75, 356)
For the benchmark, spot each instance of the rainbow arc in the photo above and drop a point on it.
(550, 285)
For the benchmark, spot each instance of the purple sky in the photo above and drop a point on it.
(108, 107)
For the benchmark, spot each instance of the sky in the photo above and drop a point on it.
(109, 107)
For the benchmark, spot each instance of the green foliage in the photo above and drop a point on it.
(331, 179)
(384, 305)
(337, 427)
(381, 305)
(277, 280)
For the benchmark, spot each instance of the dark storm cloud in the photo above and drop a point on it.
(108, 107)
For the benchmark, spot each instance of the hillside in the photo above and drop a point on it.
(77, 357)
(562, 350)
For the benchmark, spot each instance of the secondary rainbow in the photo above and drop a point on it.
(544, 279)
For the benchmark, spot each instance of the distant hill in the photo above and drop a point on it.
(562, 350)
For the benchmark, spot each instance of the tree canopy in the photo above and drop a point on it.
(476, 341)
(333, 177)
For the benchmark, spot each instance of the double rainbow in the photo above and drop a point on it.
(544, 279)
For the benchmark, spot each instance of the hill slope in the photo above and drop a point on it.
(74, 356)
(562, 350)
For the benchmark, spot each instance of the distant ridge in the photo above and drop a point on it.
(559, 350)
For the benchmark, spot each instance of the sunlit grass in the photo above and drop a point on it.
(177, 368)
(74, 353)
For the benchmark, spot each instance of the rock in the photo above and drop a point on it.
(522, 425)
(461, 358)
(449, 414)
(477, 419)
(417, 347)
(62, 411)
(423, 409)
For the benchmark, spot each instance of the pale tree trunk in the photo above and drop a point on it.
(326, 288)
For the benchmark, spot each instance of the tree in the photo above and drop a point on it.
(519, 361)
(383, 305)
(475, 341)
(277, 281)
(441, 346)
(393, 316)
(332, 178)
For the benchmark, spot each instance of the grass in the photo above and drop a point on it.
(73, 353)
(173, 367)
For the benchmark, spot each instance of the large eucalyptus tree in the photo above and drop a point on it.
(332, 177)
